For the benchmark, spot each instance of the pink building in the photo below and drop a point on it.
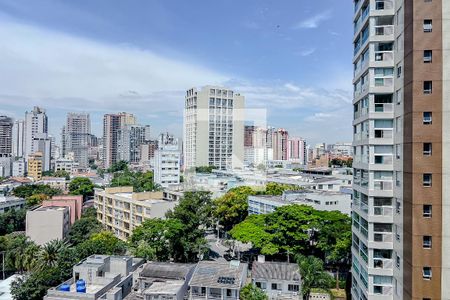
(297, 150)
(75, 204)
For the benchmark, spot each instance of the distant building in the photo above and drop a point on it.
(130, 139)
(120, 210)
(218, 280)
(98, 277)
(320, 200)
(44, 224)
(18, 138)
(148, 152)
(280, 144)
(66, 164)
(161, 280)
(167, 161)
(73, 202)
(6, 133)
(279, 280)
(19, 167)
(76, 137)
(36, 135)
(35, 166)
(297, 150)
(213, 128)
(8, 203)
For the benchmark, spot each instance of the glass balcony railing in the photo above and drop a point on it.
(382, 211)
(383, 107)
(383, 185)
(386, 56)
(384, 237)
(383, 263)
(383, 30)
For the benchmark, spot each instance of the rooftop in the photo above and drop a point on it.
(219, 274)
(166, 287)
(166, 270)
(276, 270)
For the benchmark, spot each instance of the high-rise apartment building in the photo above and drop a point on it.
(6, 126)
(167, 161)
(18, 138)
(297, 150)
(76, 137)
(280, 144)
(401, 209)
(36, 126)
(131, 137)
(214, 128)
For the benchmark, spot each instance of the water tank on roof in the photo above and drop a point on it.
(81, 289)
(81, 282)
(64, 288)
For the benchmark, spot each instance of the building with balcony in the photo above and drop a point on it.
(401, 105)
(120, 210)
(10, 203)
(217, 280)
(213, 128)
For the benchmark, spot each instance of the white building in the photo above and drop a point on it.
(36, 126)
(66, 164)
(44, 224)
(130, 140)
(213, 128)
(75, 137)
(327, 201)
(167, 161)
(18, 138)
(10, 203)
(19, 167)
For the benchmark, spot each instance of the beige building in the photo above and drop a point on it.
(120, 210)
(214, 128)
(44, 224)
(35, 166)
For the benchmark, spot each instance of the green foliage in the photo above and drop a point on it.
(118, 167)
(205, 169)
(35, 199)
(342, 162)
(12, 220)
(81, 186)
(298, 229)
(25, 191)
(277, 189)
(104, 242)
(251, 292)
(181, 236)
(83, 228)
(34, 286)
(139, 181)
(313, 275)
(232, 208)
(59, 173)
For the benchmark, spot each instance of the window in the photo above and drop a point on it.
(261, 285)
(397, 206)
(427, 118)
(427, 56)
(377, 289)
(427, 242)
(276, 286)
(427, 148)
(293, 287)
(229, 293)
(427, 210)
(399, 71)
(397, 261)
(427, 87)
(427, 179)
(427, 273)
(427, 25)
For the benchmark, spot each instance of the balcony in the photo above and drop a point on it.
(382, 211)
(383, 159)
(384, 4)
(384, 56)
(383, 30)
(383, 263)
(383, 237)
(383, 290)
(383, 107)
(383, 133)
(383, 185)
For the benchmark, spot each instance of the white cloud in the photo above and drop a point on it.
(306, 52)
(39, 65)
(313, 21)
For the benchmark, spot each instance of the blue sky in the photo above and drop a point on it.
(292, 58)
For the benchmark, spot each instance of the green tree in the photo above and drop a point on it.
(232, 208)
(277, 189)
(17, 258)
(34, 286)
(104, 242)
(62, 173)
(35, 199)
(49, 254)
(251, 292)
(25, 191)
(118, 167)
(12, 220)
(81, 186)
(83, 228)
(205, 169)
(139, 181)
(313, 275)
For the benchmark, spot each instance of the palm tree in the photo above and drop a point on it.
(48, 256)
(313, 275)
(16, 257)
(30, 256)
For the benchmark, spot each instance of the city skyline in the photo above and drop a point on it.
(149, 70)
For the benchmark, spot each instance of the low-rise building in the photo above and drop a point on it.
(98, 277)
(55, 182)
(280, 280)
(218, 280)
(18, 168)
(35, 166)
(161, 280)
(66, 164)
(44, 224)
(320, 200)
(10, 203)
(73, 202)
(120, 210)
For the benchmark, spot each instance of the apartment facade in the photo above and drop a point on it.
(120, 210)
(213, 128)
(35, 166)
(47, 223)
(401, 169)
(76, 137)
(167, 161)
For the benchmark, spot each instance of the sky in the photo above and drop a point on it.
(289, 57)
